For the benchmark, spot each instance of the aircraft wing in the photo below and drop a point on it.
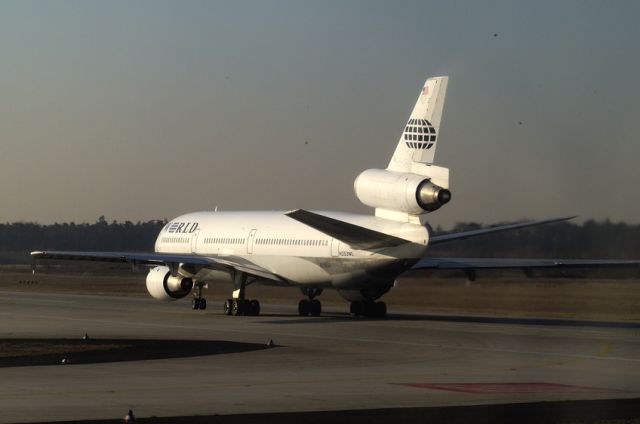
(490, 263)
(354, 235)
(482, 231)
(168, 259)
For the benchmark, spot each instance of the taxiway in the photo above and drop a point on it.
(332, 362)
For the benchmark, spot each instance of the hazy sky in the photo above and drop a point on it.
(149, 109)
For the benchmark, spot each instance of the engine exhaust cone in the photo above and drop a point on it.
(444, 196)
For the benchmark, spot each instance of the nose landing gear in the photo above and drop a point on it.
(198, 301)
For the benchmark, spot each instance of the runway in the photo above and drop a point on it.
(333, 362)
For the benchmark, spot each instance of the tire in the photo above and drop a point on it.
(228, 306)
(254, 308)
(203, 303)
(381, 309)
(304, 308)
(237, 307)
(246, 307)
(195, 304)
(316, 307)
(357, 308)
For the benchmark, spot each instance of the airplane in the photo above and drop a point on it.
(360, 256)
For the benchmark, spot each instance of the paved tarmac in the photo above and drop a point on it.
(333, 362)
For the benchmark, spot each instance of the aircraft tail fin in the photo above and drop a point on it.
(419, 138)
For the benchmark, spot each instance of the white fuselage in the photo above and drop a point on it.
(298, 253)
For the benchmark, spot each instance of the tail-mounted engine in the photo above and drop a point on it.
(162, 285)
(410, 193)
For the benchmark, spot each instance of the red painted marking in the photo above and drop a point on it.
(509, 387)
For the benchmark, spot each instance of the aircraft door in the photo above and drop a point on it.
(194, 241)
(250, 240)
(335, 247)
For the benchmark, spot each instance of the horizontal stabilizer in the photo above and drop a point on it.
(354, 235)
(482, 231)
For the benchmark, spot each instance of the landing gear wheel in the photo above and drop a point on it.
(198, 301)
(237, 307)
(380, 309)
(316, 307)
(254, 308)
(357, 308)
(304, 308)
(228, 306)
(195, 304)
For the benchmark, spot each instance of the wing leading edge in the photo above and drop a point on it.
(354, 235)
(483, 231)
(168, 259)
(490, 263)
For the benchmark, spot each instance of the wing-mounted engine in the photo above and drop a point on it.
(162, 285)
(406, 193)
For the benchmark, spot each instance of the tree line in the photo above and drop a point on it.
(23, 237)
(592, 239)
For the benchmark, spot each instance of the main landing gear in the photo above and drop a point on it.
(368, 309)
(239, 305)
(198, 301)
(310, 306)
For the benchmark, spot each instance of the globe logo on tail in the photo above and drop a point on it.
(419, 134)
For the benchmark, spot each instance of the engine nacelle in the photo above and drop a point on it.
(162, 285)
(404, 192)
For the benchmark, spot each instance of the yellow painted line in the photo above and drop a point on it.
(606, 349)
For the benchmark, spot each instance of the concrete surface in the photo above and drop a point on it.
(333, 362)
